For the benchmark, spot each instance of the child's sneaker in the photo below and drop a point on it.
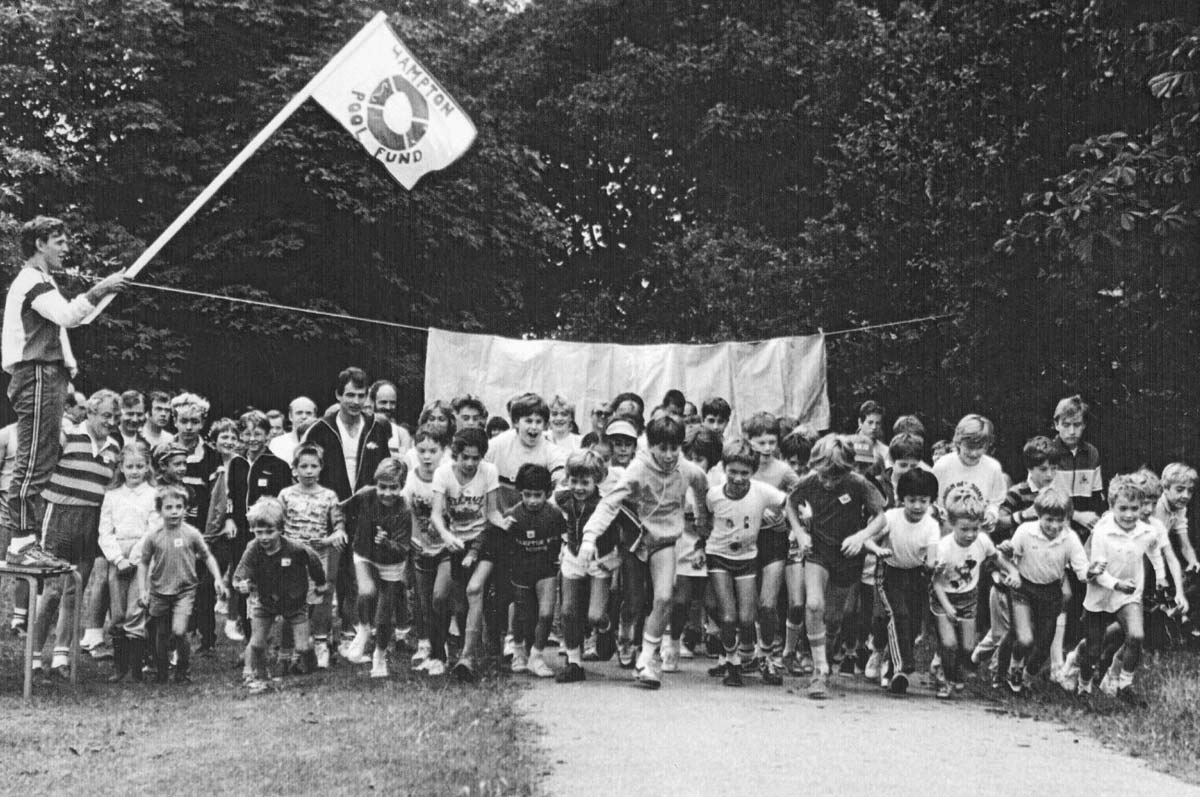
(626, 654)
(685, 651)
(233, 631)
(464, 671)
(356, 651)
(874, 665)
(846, 668)
(510, 646)
(943, 690)
(898, 685)
(718, 670)
(648, 676)
(571, 674)
(806, 665)
(770, 674)
(322, 651)
(1016, 679)
(379, 665)
(591, 647)
(1068, 673)
(423, 651)
(733, 674)
(520, 662)
(537, 665)
(816, 687)
(436, 667)
(670, 655)
(1108, 684)
(256, 686)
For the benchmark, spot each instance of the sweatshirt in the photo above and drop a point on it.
(655, 496)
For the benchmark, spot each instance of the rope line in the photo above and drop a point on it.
(398, 325)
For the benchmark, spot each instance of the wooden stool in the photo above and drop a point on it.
(35, 577)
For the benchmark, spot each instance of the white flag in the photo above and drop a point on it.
(401, 115)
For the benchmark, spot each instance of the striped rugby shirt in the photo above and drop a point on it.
(83, 471)
(36, 319)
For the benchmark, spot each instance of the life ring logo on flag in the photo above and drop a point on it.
(397, 114)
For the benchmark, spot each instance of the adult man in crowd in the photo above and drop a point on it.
(302, 412)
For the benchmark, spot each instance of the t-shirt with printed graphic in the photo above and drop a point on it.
(419, 495)
(736, 523)
(956, 569)
(838, 511)
(535, 538)
(311, 515)
(466, 504)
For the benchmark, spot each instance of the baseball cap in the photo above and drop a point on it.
(621, 427)
(164, 451)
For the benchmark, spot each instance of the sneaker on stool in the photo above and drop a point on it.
(30, 554)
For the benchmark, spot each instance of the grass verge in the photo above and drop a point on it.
(1166, 733)
(335, 732)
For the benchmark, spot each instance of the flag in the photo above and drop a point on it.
(378, 90)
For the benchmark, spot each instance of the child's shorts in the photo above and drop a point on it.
(71, 532)
(292, 617)
(526, 574)
(772, 545)
(179, 605)
(963, 603)
(430, 564)
(390, 573)
(600, 566)
(645, 546)
(738, 568)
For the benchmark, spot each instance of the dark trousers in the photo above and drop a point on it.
(38, 395)
(902, 595)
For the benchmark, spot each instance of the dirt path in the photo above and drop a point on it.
(607, 736)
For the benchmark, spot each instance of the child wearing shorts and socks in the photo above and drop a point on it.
(275, 572)
(170, 578)
(957, 564)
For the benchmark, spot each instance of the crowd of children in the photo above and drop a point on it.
(775, 549)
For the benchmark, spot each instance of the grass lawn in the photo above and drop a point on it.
(334, 732)
(1166, 733)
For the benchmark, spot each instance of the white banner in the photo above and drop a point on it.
(400, 114)
(784, 376)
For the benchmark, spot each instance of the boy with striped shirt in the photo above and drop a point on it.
(71, 524)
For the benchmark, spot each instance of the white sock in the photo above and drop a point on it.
(575, 656)
(20, 542)
(820, 660)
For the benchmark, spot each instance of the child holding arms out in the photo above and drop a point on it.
(533, 539)
(313, 517)
(1042, 551)
(904, 540)
(1119, 542)
(382, 543)
(840, 500)
(276, 572)
(957, 564)
(655, 486)
(170, 578)
(124, 523)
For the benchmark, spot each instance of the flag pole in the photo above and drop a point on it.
(202, 198)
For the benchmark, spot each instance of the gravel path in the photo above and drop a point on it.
(607, 736)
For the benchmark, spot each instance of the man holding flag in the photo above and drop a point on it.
(37, 354)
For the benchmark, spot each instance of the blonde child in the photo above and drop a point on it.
(957, 564)
(124, 522)
(562, 425)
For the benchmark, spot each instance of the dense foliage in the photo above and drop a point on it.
(676, 170)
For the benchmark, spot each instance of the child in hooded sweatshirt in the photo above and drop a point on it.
(655, 487)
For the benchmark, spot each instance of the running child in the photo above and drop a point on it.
(1042, 551)
(431, 559)
(1119, 542)
(796, 448)
(276, 572)
(169, 580)
(465, 501)
(738, 509)
(957, 564)
(382, 543)
(904, 540)
(842, 502)
(124, 522)
(655, 488)
(585, 585)
(533, 540)
(312, 516)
